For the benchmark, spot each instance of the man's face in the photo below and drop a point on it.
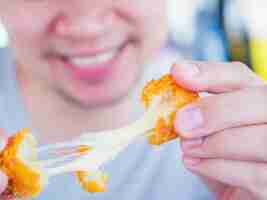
(90, 51)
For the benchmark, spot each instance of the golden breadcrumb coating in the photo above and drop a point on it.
(172, 94)
(92, 183)
(24, 180)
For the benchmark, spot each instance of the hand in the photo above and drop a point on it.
(225, 134)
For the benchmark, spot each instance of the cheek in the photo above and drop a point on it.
(27, 36)
(149, 19)
(153, 23)
(27, 28)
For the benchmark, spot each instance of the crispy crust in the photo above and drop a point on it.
(24, 182)
(92, 185)
(166, 86)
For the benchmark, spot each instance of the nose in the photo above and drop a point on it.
(83, 19)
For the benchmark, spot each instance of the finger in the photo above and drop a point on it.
(249, 176)
(244, 143)
(224, 191)
(214, 77)
(215, 113)
(216, 187)
(237, 193)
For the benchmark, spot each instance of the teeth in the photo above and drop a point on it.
(85, 62)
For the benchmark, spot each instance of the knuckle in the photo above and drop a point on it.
(249, 76)
(239, 65)
(206, 146)
(211, 147)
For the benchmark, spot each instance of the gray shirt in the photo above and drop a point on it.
(139, 173)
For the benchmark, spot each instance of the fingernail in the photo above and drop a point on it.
(3, 181)
(188, 119)
(188, 161)
(188, 69)
(190, 144)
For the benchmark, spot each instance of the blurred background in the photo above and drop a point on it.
(229, 30)
(224, 30)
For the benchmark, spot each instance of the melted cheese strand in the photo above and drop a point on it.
(105, 150)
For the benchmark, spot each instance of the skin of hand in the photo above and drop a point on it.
(225, 135)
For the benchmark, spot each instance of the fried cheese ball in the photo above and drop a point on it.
(17, 161)
(173, 97)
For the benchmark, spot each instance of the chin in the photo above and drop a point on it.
(94, 100)
(100, 94)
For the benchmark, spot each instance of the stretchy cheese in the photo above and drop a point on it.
(28, 175)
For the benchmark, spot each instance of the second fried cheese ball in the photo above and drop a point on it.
(17, 161)
(172, 97)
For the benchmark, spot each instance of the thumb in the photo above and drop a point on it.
(214, 186)
(223, 191)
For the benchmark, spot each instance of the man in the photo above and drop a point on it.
(76, 66)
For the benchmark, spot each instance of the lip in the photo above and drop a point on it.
(89, 47)
(93, 73)
(86, 52)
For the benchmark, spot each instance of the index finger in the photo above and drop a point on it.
(214, 77)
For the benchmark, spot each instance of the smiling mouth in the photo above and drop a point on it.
(92, 65)
(84, 62)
